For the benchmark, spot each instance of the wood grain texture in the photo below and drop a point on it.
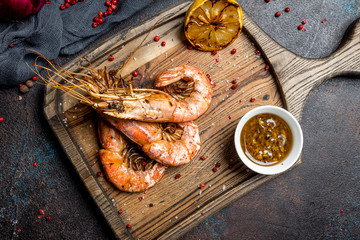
(178, 204)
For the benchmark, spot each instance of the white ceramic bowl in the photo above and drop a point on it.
(296, 147)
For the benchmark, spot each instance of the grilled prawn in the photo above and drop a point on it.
(125, 165)
(171, 144)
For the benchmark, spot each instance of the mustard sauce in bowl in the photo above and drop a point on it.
(266, 139)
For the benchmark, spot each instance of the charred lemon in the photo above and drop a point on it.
(213, 24)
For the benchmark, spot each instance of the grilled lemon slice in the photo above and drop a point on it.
(213, 24)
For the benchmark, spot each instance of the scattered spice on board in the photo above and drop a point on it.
(135, 73)
(177, 176)
(202, 158)
(151, 205)
(98, 174)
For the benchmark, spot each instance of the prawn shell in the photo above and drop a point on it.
(125, 178)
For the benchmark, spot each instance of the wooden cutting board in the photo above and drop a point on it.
(178, 204)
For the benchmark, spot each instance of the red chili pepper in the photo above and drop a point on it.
(229, 117)
(163, 43)
(135, 74)
(214, 85)
(267, 67)
(140, 198)
(202, 158)
(233, 51)
(19, 229)
(156, 38)
(234, 86)
(214, 169)
(190, 47)
(121, 211)
(342, 210)
(111, 58)
(277, 14)
(252, 99)
(11, 45)
(202, 213)
(257, 52)
(128, 226)
(214, 52)
(323, 21)
(217, 60)
(202, 185)
(217, 164)
(41, 212)
(233, 81)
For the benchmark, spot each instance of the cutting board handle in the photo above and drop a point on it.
(346, 60)
(297, 76)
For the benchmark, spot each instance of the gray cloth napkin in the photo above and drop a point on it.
(52, 32)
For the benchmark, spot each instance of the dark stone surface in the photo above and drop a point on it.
(304, 203)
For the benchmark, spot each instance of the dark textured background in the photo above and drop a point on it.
(304, 203)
